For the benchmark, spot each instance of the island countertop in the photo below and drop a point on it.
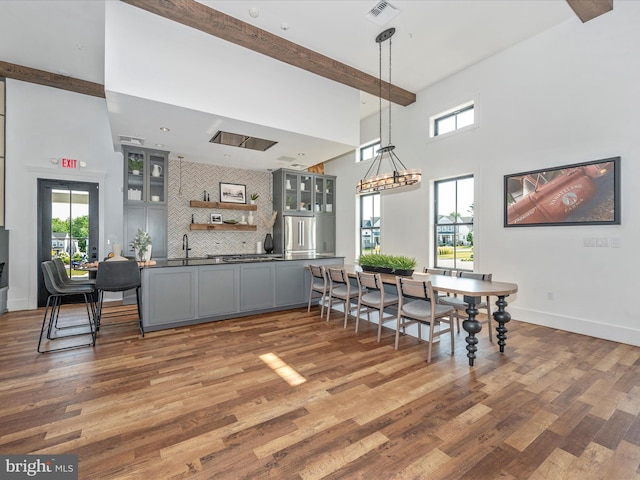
(238, 258)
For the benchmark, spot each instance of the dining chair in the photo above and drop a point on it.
(461, 306)
(340, 290)
(318, 287)
(57, 291)
(438, 271)
(372, 297)
(417, 304)
(118, 276)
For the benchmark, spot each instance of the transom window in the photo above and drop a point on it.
(370, 223)
(368, 151)
(453, 233)
(454, 119)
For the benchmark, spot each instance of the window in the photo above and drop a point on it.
(451, 120)
(368, 152)
(454, 223)
(370, 223)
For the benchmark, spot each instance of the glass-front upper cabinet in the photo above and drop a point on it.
(145, 175)
(325, 193)
(298, 189)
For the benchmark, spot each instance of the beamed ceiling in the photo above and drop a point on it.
(350, 63)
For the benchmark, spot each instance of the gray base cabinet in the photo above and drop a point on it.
(170, 295)
(175, 296)
(217, 290)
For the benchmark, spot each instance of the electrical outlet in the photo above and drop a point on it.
(602, 242)
(589, 241)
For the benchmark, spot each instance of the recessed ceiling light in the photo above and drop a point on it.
(159, 144)
(165, 129)
(227, 155)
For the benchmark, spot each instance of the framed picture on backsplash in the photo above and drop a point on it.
(233, 193)
(216, 218)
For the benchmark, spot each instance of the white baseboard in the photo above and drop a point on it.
(605, 331)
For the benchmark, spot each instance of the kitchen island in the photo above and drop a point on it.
(180, 292)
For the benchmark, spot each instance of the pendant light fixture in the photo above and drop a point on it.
(399, 175)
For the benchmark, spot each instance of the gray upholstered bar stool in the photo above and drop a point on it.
(57, 291)
(118, 276)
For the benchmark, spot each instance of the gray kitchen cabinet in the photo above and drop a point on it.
(305, 194)
(145, 198)
(170, 295)
(290, 283)
(218, 290)
(185, 295)
(257, 286)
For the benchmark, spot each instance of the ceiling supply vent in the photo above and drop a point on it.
(382, 13)
(242, 141)
(286, 159)
(129, 140)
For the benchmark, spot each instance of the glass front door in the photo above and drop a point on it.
(67, 228)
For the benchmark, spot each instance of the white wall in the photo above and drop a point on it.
(187, 67)
(45, 123)
(565, 96)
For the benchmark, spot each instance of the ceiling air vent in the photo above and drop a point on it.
(129, 140)
(242, 141)
(382, 13)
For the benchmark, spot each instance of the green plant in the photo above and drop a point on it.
(289, 201)
(394, 262)
(135, 164)
(254, 196)
(141, 241)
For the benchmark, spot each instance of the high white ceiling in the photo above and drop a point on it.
(434, 39)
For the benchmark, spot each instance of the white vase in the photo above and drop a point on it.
(250, 219)
(143, 256)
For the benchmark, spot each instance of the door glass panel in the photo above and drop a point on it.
(70, 228)
(306, 192)
(135, 176)
(156, 178)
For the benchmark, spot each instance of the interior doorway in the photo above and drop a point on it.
(67, 228)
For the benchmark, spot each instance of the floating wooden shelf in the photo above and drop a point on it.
(222, 226)
(223, 206)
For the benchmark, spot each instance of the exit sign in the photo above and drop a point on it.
(69, 163)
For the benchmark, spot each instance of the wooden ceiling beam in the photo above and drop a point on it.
(41, 77)
(203, 18)
(589, 9)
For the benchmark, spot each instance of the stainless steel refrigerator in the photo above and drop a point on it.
(299, 234)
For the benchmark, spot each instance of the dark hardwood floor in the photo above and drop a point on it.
(290, 396)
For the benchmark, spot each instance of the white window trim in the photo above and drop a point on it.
(476, 120)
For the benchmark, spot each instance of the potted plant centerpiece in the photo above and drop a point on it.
(253, 198)
(394, 264)
(141, 245)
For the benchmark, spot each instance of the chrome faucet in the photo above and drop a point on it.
(185, 245)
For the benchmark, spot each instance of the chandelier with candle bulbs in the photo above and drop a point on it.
(399, 175)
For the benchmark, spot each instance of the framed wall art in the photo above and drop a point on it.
(216, 218)
(233, 193)
(579, 194)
